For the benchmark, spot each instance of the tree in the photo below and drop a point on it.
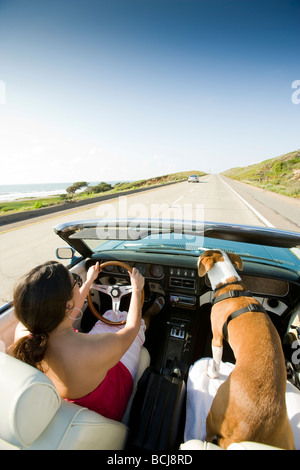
(101, 187)
(76, 186)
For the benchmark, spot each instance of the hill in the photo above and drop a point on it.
(165, 179)
(280, 174)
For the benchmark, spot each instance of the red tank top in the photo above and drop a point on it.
(111, 396)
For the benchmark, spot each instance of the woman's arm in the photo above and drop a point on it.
(134, 315)
(91, 276)
(111, 346)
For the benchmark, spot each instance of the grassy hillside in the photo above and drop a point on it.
(165, 179)
(91, 192)
(279, 174)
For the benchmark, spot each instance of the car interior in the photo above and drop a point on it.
(179, 335)
(182, 329)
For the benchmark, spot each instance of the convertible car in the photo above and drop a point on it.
(166, 252)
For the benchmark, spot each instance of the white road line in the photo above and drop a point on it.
(181, 197)
(258, 214)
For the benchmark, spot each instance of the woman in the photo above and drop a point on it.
(84, 368)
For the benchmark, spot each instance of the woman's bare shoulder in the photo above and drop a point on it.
(98, 351)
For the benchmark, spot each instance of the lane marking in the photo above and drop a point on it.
(179, 199)
(258, 214)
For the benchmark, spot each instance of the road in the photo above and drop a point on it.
(23, 246)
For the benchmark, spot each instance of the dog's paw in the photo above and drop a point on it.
(212, 372)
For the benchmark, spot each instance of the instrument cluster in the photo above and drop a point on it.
(152, 271)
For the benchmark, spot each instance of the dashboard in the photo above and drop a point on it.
(176, 277)
(149, 271)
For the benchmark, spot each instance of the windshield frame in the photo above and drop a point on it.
(115, 233)
(140, 228)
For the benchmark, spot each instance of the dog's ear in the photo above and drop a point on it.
(236, 260)
(205, 262)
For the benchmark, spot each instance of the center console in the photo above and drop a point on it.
(177, 342)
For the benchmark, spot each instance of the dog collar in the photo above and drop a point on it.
(225, 285)
(237, 313)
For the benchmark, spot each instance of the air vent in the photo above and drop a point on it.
(188, 283)
(182, 282)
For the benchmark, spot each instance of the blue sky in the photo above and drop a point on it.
(128, 89)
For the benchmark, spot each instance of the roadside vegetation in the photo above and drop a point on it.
(81, 190)
(280, 174)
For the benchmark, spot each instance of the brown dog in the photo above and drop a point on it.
(250, 404)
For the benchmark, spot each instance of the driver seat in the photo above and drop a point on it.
(34, 417)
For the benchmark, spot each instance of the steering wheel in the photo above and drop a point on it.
(115, 292)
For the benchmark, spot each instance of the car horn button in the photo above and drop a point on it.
(115, 292)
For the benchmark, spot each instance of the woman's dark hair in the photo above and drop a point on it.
(40, 302)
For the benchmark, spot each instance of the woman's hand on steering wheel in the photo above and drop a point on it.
(137, 280)
(116, 292)
(93, 273)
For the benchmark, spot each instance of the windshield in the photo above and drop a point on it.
(189, 238)
(194, 245)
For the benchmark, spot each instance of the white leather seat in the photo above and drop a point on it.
(33, 416)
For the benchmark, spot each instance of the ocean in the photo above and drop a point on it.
(12, 192)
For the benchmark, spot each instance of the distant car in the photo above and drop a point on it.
(193, 179)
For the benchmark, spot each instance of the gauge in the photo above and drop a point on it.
(109, 268)
(122, 270)
(156, 270)
(141, 268)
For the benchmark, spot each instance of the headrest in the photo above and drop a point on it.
(28, 401)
